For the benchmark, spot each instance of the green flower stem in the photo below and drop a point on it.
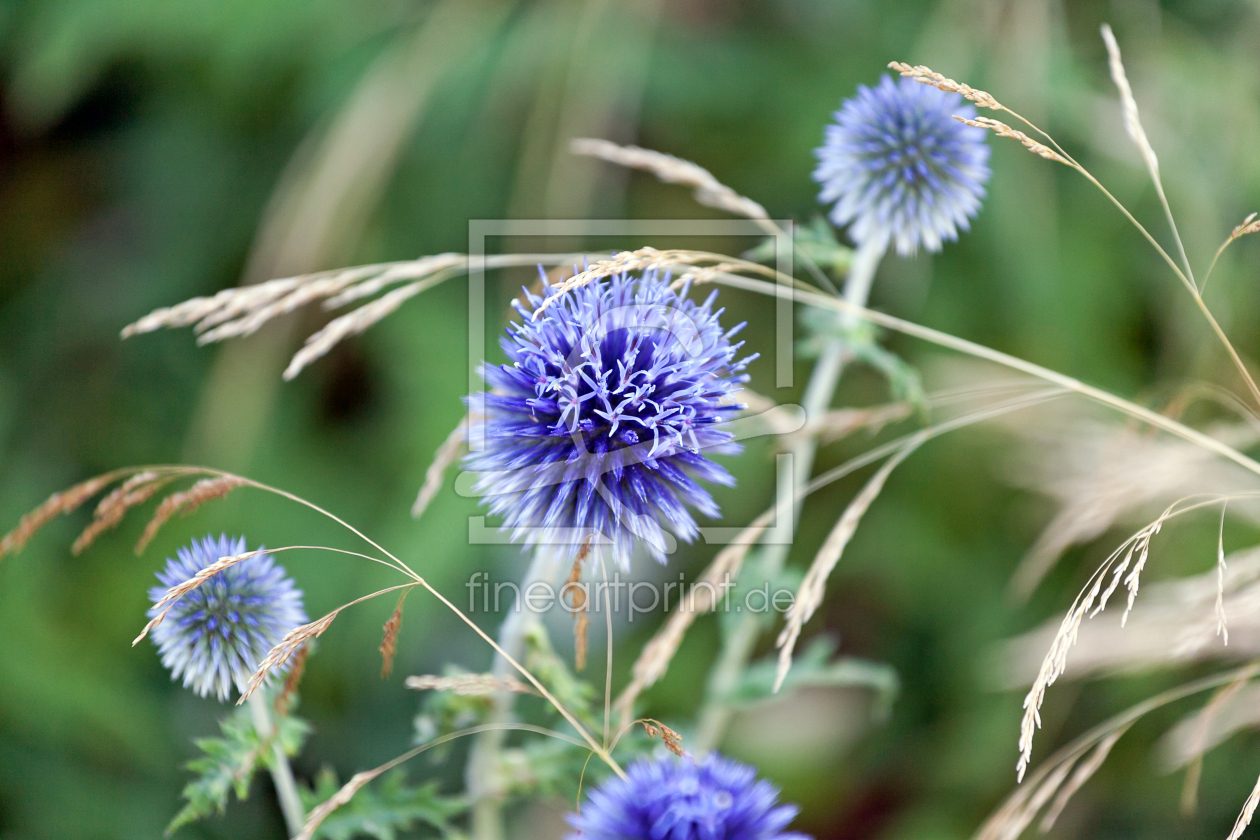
(739, 643)
(281, 773)
(482, 775)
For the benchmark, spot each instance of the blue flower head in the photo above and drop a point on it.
(679, 799)
(601, 423)
(900, 168)
(217, 634)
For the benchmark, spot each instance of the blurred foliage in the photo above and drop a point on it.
(229, 762)
(150, 152)
(381, 809)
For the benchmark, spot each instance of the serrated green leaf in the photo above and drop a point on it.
(229, 763)
(383, 808)
(816, 241)
(552, 671)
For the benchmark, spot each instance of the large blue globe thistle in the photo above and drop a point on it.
(900, 168)
(679, 799)
(602, 421)
(215, 636)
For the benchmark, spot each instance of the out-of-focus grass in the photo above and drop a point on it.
(139, 147)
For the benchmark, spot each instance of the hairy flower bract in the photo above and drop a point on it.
(680, 799)
(900, 168)
(599, 428)
(215, 635)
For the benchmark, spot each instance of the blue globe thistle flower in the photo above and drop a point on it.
(679, 799)
(601, 423)
(900, 168)
(217, 634)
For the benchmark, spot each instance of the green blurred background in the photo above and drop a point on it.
(152, 151)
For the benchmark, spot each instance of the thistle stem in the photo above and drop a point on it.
(482, 776)
(281, 773)
(738, 645)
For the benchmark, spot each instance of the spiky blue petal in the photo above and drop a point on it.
(899, 167)
(215, 636)
(680, 799)
(601, 423)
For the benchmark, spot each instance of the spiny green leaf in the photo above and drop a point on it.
(383, 808)
(228, 763)
(817, 241)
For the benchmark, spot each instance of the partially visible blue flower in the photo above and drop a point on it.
(900, 168)
(679, 799)
(603, 419)
(215, 636)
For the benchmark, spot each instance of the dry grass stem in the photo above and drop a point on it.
(656, 655)
(812, 589)
(1020, 808)
(178, 591)
(1173, 626)
(448, 453)
(347, 791)
(1084, 772)
(186, 502)
(389, 642)
(926, 75)
(709, 191)
(1089, 603)
(1101, 475)
(57, 504)
(1233, 708)
(284, 700)
(1248, 811)
(1249, 226)
(644, 259)
(1001, 129)
(469, 685)
(243, 310)
(840, 423)
(356, 322)
(133, 492)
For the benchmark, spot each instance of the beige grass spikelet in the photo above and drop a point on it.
(927, 76)
(1248, 811)
(57, 504)
(1132, 121)
(1001, 129)
(167, 601)
(389, 641)
(186, 502)
(133, 492)
(446, 455)
(354, 323)
(709, 191)
(656, 655)
(812, 589)
(286, 648)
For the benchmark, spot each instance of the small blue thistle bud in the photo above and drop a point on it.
(679, 799)
(603, 420)
(215, 636)
(900, 168)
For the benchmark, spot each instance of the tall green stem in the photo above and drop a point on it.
(281, 773)
(483, 774)
(738, 645)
